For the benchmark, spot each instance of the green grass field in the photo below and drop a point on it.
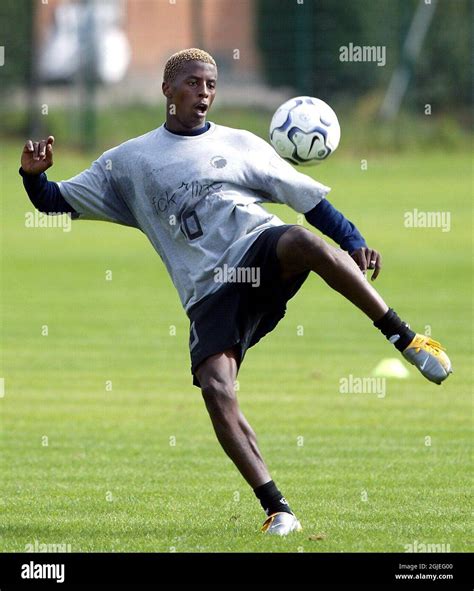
(97, 469)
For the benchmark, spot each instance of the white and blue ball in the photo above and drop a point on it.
(305, 130)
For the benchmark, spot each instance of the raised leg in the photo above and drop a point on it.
(300, 250)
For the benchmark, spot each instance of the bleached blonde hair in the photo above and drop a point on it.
(177, 61)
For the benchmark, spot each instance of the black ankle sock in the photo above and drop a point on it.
(271, 498)
(396, 331)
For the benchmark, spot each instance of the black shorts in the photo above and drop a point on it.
(238, 315)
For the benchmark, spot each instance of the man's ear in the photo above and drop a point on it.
(167, 89)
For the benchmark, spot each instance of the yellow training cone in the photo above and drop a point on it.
(391, 368)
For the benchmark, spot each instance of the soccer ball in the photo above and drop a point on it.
(305, 130)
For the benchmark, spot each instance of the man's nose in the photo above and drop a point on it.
(203, 90)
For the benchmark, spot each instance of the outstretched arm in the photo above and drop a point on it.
(93, 194)
(45, 195)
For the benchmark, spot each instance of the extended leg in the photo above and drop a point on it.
(300, 250)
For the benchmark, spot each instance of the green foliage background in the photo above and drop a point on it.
(315, 30)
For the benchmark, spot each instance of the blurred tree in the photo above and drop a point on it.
(16, 35)
(333, 24)
(442, 73)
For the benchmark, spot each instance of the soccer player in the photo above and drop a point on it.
(194, 189)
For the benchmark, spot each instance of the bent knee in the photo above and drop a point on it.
(304, 244)
(219, 395)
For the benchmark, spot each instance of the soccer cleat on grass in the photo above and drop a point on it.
(429, 357)
(281, 524)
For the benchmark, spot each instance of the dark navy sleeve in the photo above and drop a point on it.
(45, 195)
(328, 220)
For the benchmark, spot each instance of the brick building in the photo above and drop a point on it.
(157, 28)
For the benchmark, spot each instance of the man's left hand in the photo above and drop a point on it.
(367, 258)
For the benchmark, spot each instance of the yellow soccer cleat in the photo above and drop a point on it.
(429, 357)
(281, 524)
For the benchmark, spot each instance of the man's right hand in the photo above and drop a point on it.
(37, 156)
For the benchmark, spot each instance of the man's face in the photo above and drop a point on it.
(190, 96)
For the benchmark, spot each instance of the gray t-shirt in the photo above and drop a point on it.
(195, 197)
